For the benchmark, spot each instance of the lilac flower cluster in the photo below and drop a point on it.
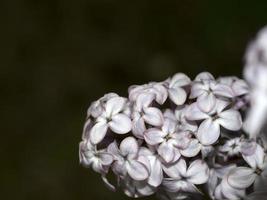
(175, 138)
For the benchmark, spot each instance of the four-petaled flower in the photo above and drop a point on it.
(176, 91)
(232, 147)
(126, 160)
(99, 160)
(209, 129)
(112, 117)
(206, 89)
(183, 179)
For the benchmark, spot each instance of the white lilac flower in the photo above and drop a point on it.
(216, 174)
(176, 91)
(232, 147)
(125, 160)
(99, 160)
(183, 123)
(253, 154)
(183, 178)
(205, 89)
(136, 189)
(209, 129)
(112, 117)
(239, 87)
(238, 179)
(234, 183)
(153, 163)
(165, 137)
(144, 114)
(171, 143)
(98, 107)
(157, 90)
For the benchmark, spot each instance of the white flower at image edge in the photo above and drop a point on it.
(234, 183)
(253, 154)
(209, 129)
(111, 118)
(183, 179)
(125, 160)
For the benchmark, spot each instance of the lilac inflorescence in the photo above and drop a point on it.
(175, 138)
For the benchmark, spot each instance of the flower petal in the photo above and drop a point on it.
(115, 105)
(179, 186)
(144, 100)
(153, 116)
(139, 128)
(118, 167)
(120, 124)
(169, 126)
(154, 136)
(241, 177)
(218, 192)
(98, 132)
(198, 172)
(255, 160)
(204, 76)
(222, 90)
(230, 119)
(177, 95)
(208, 132)
(175, 170)
(206, 102)
(177, 155)
(198, 89)
(229, 192)
(192, 150)
(212, 183)
(156, 174)
(166, 151)
(129, 146)
(143, 189)
(161, 93)
(194, 113)
(86, 129)
(105, 158)
(137, 170)
(221, 105)
(240, 87)
(179, 80)
(113, 149)
(134, 91)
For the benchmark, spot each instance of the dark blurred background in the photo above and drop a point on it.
(57, 56)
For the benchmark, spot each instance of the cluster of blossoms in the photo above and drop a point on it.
(175, 138)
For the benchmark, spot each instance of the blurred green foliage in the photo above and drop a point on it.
(57, 56)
